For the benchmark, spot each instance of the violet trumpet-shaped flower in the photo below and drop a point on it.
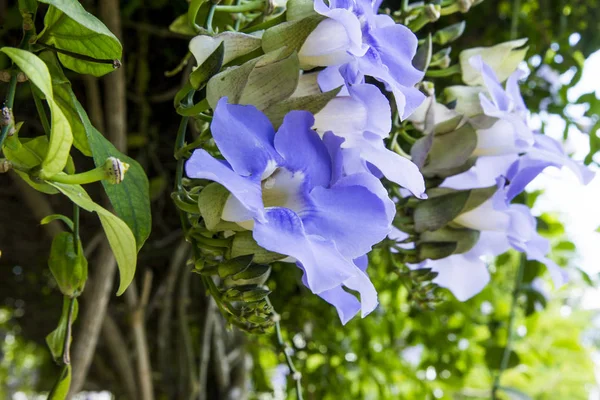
(356, 42)
(283, 188)
(501, 227)
(364, 119)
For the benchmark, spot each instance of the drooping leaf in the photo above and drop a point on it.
(66, 23)
(130, 198)
(61, 388)
(56, 339)
(121, 239)
(61, 137)
(63, 95)
(55, 217)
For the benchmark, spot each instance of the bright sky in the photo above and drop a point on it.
(577, 206)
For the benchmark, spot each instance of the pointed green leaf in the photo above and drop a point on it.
(130, 198)
(56, 339)
(449, 152)
(63, 94)
(61, 137)
(54, 217)
(68, 26)
(61, 388)
(449, 33)
(120, 237)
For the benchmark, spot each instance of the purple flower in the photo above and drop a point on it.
(356, 42)
(501, 227)
(363, 118)
(289, 191)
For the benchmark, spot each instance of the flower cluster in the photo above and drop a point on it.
(302, 137)
(509, 155)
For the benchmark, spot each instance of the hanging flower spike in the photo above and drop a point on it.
(363, 118)
(281, 188)
(356, 42)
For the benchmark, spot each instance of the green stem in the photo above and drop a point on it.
(114, 62)
(451, 9)
(67, 343)
(209, 17)
(8, 104)
(94, 175)
(285, 348)
(76, 227)
(250, 6)
(455, 69)
(511, 321)
(265, 25)
(41, 112)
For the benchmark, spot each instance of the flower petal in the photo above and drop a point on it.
(202, 165)
(283, 232)
(302, 148)
(244, 135)
(352, 216)
(463, 276)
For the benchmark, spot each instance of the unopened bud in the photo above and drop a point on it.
(21, 77)
(5, 166)
(115, 169)
(464, 5)
(432, 12)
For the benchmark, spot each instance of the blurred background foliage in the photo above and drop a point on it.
(419, 344)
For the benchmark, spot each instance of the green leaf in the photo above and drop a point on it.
(61, 388)
(61, 137)
(130, 198)
(211, 201)
(262, 82)
(63, 95)
(291, 34)
(68, 26)
(312, 103)
(120, 237)
(56, 339)
(54, 217)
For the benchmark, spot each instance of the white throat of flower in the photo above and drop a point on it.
(280, 188)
